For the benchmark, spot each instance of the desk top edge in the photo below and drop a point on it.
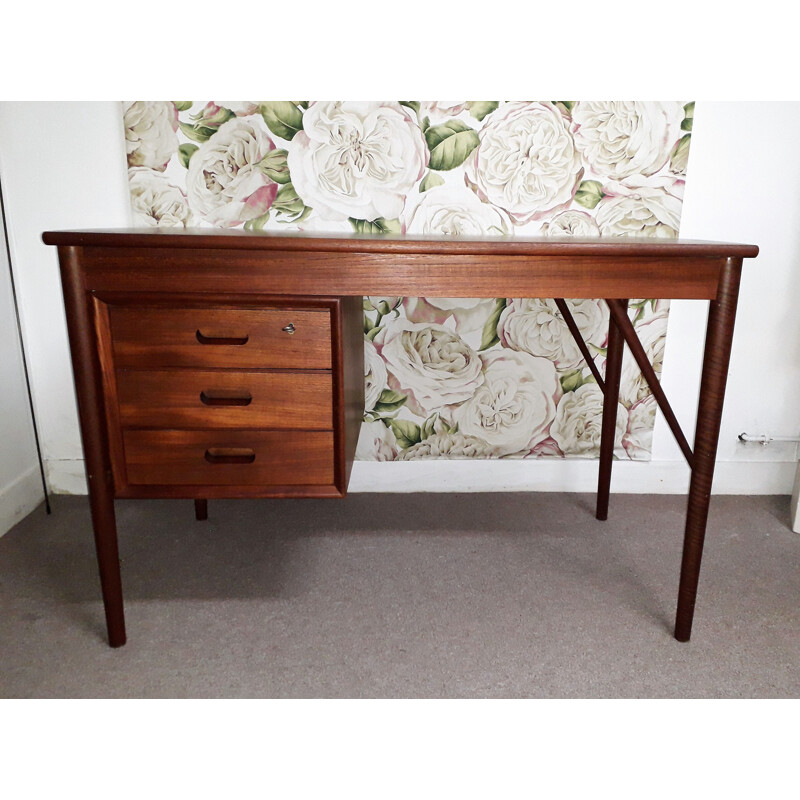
(205, 238)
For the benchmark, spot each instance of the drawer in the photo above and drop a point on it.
(225, 399)
(232, 458)
(220, 337)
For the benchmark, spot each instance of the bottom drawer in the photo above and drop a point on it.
(219, 458)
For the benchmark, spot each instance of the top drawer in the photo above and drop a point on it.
(220, 337)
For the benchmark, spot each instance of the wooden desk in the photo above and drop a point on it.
(168, 311)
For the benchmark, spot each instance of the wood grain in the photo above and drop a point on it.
(109, 388)
(350, 390)
(607, 273)
(608, 430)
(176, 491)
(82, 326)
(177, 238)
(153, 316)
(168, 457)
(172, 399)
(719, 333)
(167, 337)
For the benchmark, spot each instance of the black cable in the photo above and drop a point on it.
(22, 348)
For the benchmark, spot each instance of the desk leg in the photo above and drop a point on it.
(610, 401)
(88, 381)
(105, 540)
(719, 332)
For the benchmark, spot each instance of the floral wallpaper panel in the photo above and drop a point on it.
(445, 377)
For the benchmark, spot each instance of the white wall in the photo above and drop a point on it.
(20, 482)
(743, 170)
(64, 168)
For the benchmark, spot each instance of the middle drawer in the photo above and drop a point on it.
(225, 399)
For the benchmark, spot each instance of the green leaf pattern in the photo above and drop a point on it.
(450, 144)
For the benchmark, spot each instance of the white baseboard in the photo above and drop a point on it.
(546, 475)
(794, 508)
(66, 476)
(19, 498)
(568, 475)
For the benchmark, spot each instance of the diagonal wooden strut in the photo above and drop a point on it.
(576, 335)
(622, 321)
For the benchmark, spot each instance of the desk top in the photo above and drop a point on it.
(376, 243)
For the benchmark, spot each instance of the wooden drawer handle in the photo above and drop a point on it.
(223, 397)
(230, 455)
(236, 340)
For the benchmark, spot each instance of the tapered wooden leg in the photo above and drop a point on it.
(610, 402)
(105, 539)
(719, 332)
(81, 323)
(201, 509)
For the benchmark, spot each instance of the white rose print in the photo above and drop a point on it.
(641, 207)
(465, 314)
(445, 377)
(357, 160)
(578, 422)
(150, 133)
(448, 445)
(376, 442)
(514, 406)
(225, 184)
(375, 375)
(571, 223)
(638, 438)
(537, 327)
(623, 139)
(652, 334)
(456, 211)
(526, 163)
(155, 201)
(434, 365)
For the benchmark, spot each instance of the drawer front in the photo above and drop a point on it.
(220, 337)
(246, 458)
(225, 399)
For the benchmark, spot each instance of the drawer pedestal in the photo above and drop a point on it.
(204, 395)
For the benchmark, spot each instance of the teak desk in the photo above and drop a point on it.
(200, 357)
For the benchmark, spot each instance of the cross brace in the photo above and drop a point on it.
(620, 321)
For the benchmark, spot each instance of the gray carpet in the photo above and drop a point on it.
(426, 595)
